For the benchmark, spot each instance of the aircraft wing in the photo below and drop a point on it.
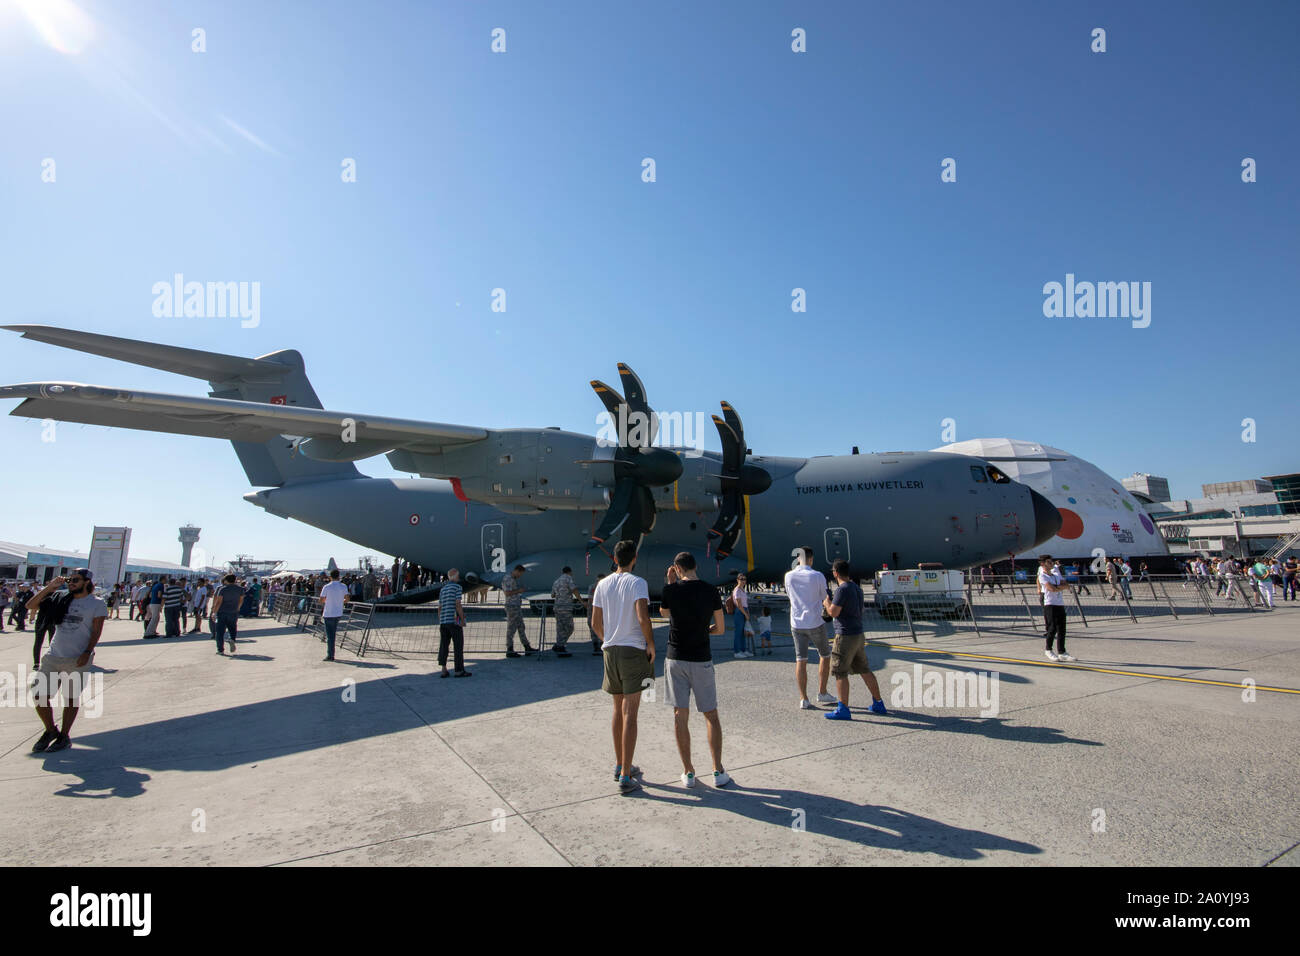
(334, 436)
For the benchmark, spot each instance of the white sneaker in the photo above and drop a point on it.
(1064, 657)
(688, 780)
(720, 778)
(827, 699)
(1052, 657)
(805, 704)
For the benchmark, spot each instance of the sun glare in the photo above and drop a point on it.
(63, 25)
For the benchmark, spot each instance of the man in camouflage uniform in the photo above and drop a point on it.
(562, 591)
(514, 592)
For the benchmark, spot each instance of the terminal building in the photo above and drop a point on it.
(41, 564)
(1147, 487)
(1256, 516)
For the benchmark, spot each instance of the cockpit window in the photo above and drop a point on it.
(998, 477)
(977, 473)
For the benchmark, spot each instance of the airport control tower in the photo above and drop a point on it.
(189, 537)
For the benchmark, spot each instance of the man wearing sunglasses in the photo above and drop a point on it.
(78, 622)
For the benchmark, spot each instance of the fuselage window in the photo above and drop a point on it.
(977, 473)
(998, 477)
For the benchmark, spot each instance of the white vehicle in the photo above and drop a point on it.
(930, 592)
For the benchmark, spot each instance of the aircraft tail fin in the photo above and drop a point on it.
(278, 378)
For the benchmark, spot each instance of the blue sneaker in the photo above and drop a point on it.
(878, 707)
(839, 713)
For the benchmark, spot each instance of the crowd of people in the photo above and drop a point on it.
(1229, 577)
(71, 616)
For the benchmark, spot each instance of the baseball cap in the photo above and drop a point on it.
(83, 572)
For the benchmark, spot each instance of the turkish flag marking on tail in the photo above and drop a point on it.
(279, 399)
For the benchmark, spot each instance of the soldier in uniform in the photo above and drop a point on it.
(562, 591)
(514, 592)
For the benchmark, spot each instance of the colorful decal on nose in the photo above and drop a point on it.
(1071, 525)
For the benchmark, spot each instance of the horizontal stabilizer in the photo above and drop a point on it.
(229, 418)
(210, 366)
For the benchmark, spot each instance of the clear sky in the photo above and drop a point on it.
(774, 170)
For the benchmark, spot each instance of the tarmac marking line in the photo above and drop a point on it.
(1081, 667)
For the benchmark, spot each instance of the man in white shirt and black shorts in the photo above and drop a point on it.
(695, 610)
(806, 587)
(620, 617)
(1052, 585)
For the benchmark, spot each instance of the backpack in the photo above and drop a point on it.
(730, 605)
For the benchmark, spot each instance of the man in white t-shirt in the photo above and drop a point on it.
(66, 665)
(334, 595)
(1052, 585)
(620, 616)
(199, 603)
(806, 587)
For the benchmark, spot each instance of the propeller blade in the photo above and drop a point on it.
(637, 402)
(733, 419)
(608, 397)
(728, 542)
(616, 515)
(732, 450)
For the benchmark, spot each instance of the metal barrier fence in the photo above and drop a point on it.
(412, 630)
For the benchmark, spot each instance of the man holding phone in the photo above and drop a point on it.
(807, 589)
(78, 622)
(849, 653)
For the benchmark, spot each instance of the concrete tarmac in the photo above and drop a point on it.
(274, 757)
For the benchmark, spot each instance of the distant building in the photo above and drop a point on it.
(1287, 489)
(41, 564)
(1222, 489)
(1147, 487)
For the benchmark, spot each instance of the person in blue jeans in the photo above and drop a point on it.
(740, 617)
(225, 612)
(335, 595)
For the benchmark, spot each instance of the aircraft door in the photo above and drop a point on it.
(836, 544)
(494, 547)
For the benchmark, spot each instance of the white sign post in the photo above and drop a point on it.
(108, 550)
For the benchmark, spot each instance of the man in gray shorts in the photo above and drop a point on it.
(80, 620)
(620, 616)
(696, 612)
(806, 587)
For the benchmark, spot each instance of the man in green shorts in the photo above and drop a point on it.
(620, 617)
(849, 652)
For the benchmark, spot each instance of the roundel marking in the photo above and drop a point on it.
(415, 519)
(1071, 525)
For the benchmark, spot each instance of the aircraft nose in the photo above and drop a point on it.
(1047, 520)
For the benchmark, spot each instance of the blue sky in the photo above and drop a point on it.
(775, 170)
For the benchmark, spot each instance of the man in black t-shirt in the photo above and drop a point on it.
(696, 612)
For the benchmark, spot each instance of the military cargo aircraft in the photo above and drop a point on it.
(490, 499)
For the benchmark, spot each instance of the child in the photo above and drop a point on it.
(764, 631)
